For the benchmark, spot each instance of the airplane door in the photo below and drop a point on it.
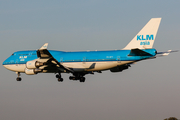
(118, 59)
(30, 54)
(84, 60)
(61, 60)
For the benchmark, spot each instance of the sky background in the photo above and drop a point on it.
(149, 90)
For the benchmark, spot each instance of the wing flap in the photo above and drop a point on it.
(43, 53)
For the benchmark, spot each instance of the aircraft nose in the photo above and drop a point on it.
(5, 66)
(6, 63)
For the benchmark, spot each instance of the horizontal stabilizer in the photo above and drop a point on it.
(160, 54)
(138, 52)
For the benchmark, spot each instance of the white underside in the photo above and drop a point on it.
(77, 66)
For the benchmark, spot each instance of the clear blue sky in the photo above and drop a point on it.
(149, 90)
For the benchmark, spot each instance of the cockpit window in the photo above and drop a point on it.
(13, 54)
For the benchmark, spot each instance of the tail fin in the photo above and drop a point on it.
(146, 37)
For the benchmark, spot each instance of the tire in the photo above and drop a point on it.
(57, 76)
(60, 79)
(18, 79)
(82, 79)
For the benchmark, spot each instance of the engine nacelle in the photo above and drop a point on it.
(119, 68)
(33, 64)
(32, 71)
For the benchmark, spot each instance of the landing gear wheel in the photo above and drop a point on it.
(18, 79)
(72, 78)
(60, 79)
(57, 76)
(82, 79)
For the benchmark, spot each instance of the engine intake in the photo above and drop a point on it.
(33, 64)
(32, 71)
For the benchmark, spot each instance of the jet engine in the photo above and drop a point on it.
(32, 71)
(33, 64)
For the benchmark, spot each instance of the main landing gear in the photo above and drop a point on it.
(58, 76)
(75, 76)
(18, 78)
(78, 77)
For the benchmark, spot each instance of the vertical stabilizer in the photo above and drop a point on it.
(146, 37)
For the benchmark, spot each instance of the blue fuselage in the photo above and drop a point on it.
(21, 57)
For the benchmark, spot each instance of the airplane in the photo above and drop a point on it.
(80, 63)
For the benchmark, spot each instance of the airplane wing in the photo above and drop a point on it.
(43, 53)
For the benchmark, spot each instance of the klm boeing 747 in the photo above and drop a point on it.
(86, 62)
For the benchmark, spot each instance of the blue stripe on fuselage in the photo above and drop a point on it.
(21, 57)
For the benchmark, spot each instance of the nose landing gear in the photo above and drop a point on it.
(18, 78)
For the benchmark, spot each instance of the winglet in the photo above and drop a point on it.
(44, 46)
